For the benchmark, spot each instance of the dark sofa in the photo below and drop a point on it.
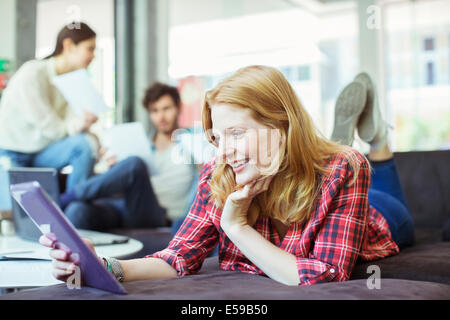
(418, 272)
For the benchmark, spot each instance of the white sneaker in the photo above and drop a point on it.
(349, 105)
(372, 128)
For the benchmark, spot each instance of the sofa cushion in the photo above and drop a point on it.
(214, 284)
(426, 262)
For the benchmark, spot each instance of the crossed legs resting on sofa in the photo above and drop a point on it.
(357, 108)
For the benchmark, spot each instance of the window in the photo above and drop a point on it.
(316, 51)
(429, 44)
(430, 73)
(429, 56)
(304, 73)
(417, 71)
(287, 72)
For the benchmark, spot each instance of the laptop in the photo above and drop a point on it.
(5, 198)
(48, 180)
(48, 217)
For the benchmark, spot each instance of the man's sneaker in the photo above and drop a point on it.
(349, 105)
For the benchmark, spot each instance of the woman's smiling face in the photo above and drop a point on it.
(244, 143)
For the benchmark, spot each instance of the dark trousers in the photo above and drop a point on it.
(386, 195)
(121, 197)
(73, 150)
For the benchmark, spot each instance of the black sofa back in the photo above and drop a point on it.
(425, 179)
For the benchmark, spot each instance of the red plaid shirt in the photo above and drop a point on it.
(342, 229)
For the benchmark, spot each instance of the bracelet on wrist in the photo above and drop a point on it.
(107, 264)
(113, 266)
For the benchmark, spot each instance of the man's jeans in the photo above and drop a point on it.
(73, 150)
(121, 197)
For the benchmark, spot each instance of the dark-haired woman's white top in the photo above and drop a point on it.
(33, 113)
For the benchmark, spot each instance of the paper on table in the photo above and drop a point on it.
(26, 255)
(17, 274)
(80, 93)
(127, 139)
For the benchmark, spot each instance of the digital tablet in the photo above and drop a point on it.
(48, 217)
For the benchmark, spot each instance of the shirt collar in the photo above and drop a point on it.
(51, 67)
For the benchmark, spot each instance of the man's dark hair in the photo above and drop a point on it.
(158, 90)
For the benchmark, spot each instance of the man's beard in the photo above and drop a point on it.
(168, 131)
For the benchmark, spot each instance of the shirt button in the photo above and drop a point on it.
(332, 270)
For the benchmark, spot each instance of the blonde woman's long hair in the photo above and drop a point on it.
(295, 187)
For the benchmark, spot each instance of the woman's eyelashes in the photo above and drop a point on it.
(237, 133)
(232, 134)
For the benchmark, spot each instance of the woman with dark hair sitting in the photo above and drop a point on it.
(37, 127)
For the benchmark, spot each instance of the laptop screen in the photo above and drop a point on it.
(48, 179)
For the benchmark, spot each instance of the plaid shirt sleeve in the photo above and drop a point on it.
(197, 236)
(339, 226)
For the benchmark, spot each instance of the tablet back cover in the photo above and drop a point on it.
(49, 218)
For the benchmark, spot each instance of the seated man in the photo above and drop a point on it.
(130, 196)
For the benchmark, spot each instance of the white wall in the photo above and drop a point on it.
(196, 11)
(7, 29)
(52, 15)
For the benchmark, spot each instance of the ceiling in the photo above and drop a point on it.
(195, 11)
